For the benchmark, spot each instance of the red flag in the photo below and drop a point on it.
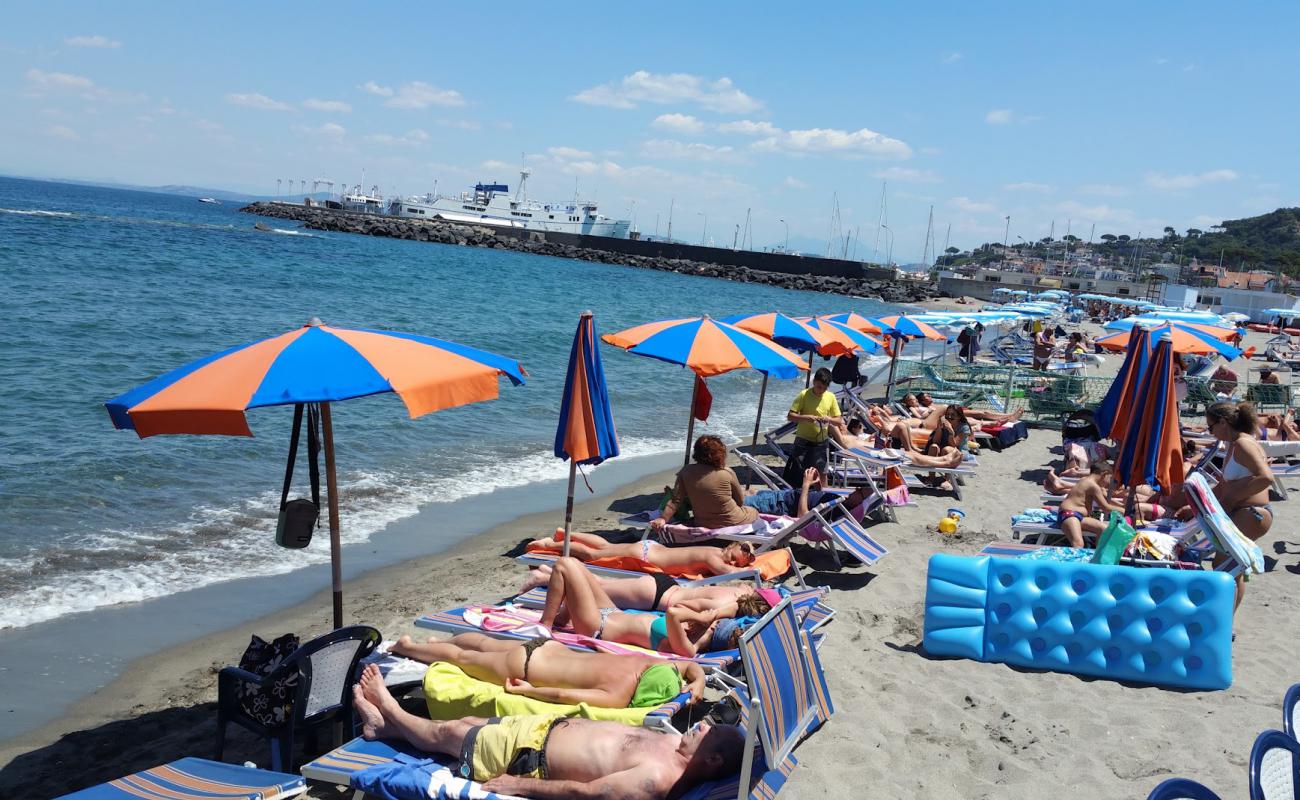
(703, 400)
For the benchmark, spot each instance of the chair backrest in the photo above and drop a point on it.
(849, 534)
(1274, 761)
(1291, 712)
(1181, 789)
(779, 679)
(763, 472)
(326, 666)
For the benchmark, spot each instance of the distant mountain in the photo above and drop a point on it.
(184, 191)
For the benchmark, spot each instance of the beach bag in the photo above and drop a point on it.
(298, 517)
(1114, 540)
(270, 705)
(683, 511)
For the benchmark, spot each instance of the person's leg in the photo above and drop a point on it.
(382, 717)
(796, 463)
(902, 435)
(537, 576)
(574, 587)
(1253, 523)
(1073, 530)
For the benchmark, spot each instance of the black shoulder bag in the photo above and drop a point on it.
(298, 516)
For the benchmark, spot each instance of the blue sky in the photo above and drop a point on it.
(1129, 116)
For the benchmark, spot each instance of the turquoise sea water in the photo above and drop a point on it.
(105, 289)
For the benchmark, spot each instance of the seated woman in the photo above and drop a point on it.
(712, 488)
(954, 431)
(576, 599)
(1284, 424)
(654, 592)
(705, 559)
(546, 670)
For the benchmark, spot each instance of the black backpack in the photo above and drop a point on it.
(298, 516)
(1080, 425)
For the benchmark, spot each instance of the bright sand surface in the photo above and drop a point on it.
(906, 725)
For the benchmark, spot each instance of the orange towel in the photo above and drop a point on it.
(770, 565)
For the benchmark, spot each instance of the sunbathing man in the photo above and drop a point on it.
(926, 404)
(550, 757)
(1091, 492)
(704, 559)
(544, 669)
(575, 598)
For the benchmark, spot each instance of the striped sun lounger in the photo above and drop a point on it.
(197, 779)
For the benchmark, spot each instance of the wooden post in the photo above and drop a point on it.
(332, 487)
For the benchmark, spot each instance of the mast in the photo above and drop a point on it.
(929, 237)
(882, 219)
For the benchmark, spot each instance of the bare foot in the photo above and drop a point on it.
(372, 721)
(549, 543)
(538, 576)
(372, 685)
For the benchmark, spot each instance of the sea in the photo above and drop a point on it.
(105, 289)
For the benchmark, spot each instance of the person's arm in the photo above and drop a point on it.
(670, 508)
(737, 492)
(1100, 500)
(693, 675)
(794, 415)
(714, 564)
(675, 619)
(553, 694)
(638, 783)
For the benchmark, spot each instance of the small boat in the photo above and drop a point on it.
(212, 201)
(262, 226)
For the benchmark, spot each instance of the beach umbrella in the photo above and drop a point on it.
(585, 433)
(1203, 317)
(1184, 340)
(707, 347)
(792, 333)
(857, 322)
(314, 365)
(1213, 331)
(1151, 448)
(900, 329)
(1110, 422)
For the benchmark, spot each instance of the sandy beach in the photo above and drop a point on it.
(907, 725)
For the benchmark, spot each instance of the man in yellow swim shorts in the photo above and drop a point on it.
(548, 757)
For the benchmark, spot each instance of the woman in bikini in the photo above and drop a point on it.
(687, 628)
(705, 559)
(547, 670)
(652, 592)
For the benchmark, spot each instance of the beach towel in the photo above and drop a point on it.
(678, 533)
(770, 565)
(451, 694)
(1039, 516)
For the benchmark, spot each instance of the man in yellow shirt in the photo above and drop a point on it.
(815, 409)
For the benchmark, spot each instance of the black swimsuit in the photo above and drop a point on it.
(662, 584)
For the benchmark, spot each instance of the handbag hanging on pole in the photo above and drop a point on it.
(298, 516)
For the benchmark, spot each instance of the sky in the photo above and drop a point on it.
(1100, 117)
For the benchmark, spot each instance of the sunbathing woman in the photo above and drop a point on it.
(898, 435)
(544, 669)
(704, 559)
(574, 598)
(654, 592)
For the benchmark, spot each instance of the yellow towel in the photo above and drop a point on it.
(451, 694)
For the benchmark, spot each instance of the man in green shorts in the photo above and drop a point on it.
(549, 757)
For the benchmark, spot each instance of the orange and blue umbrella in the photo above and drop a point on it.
(1112, 414)
(789, 332)
(901, 328)
(1151, 449)
(585, 434)
(858, 322)
(1183, 339)
(841, 332)
(316, 364)
(1222, 334)
(707, 347)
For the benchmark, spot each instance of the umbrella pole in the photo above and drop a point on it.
(332, 487)
(568, 504)
(893, 367)
(807, 378)
(690, 422)
(758, 419)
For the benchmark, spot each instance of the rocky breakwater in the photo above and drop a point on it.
(323, 219)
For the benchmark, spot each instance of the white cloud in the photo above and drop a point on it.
(62, 132)
(691, 151)
(494, 164)
(56, 81)
(907, 175)
(1027, 186)
(792, 182)
(973, 206)
(683, 123)
(862, 142)
(92, 41)
(330, 130)
(258, 101)
(951, 58)
(661, 88)
(1103, 190)
(571, 153)
(750, 128)
(337, 106)
(412, 138)
(415, 95)
(1174, 183)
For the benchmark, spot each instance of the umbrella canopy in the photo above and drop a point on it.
(315, 364)
(790, 332)
(857, 322)
(1214, 331)
(1184, 340)
(585, 433)
(838, 331)
(1110, 422)
(707, 347)
(908, 328)
(1203, 317)
(1151, 448)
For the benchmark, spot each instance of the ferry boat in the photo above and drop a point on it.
(491, 204)
(212, 201)
(363, 202)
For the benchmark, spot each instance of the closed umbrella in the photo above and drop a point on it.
(1151, 448)
(585, 433)
(314, 365)
(707, 347)
(1110, 422)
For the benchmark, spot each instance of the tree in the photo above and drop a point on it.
(1123, 238)
(1108, 238)
(1193, 233)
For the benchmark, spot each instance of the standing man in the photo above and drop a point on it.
(1044, 344)
(966, 340)
(815, 409)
